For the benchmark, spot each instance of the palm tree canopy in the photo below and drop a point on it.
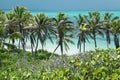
(115, 26)
(2, 24)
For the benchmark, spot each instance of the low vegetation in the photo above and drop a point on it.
(92, 65)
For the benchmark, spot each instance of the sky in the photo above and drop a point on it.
(62, 4)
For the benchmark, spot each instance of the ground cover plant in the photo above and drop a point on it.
(92, 65)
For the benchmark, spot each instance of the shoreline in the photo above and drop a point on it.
(73, 48)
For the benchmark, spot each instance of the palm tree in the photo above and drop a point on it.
(83, 31)
(108, 18)
(22, 18)
(115, 28)
(2, 28)
(2, 35)
(83, 35)
(64, 29)
(11, 27)
(42, 30)
(4, 32)
(94, 25)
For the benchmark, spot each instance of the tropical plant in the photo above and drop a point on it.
(115, 26)
(42, 30)
(93, 21)
(108, 18)
(2, 35)
(92, 65)
(2, 27)
(83, 31)
(64, 28)
(22, 18)
(83, 35)
(12, 28)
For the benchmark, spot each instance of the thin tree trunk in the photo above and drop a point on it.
(36, 47)
(13, 41)
(56, 48)
(42, 48)
(116, 41)
(107, 38)
(22, 39)
(32, 50)
(61, 47)
(80, 46)
(23, 46)
(107, 45)
(94, 36)
(54, 51)
(19, 44)
(84, 46)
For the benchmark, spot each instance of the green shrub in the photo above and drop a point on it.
(92, 65)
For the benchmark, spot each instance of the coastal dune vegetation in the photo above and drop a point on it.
(19, 25)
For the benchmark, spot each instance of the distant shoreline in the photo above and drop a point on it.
(60, 10)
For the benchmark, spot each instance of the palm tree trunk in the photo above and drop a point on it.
(13, 41)
(84, 46)
(23, 46)
(22, 39)
(36, 47)
(54, 50)
(61, 47)
(116, 41)
(107, 45)
(94, 37)
(107, 38)
(19, 44)
(80, 46)
(32, 50)
(42, 48)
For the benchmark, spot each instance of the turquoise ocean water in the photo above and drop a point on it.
(101, 41)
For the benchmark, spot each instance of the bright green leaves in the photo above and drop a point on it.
(62, 16)
(15, 35)
(93, 65)
(19, 11)
(100, 70)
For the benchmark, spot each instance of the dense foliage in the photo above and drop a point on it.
(20, 26)
(92, 65)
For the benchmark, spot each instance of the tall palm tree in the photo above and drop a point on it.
(115, 26)
(2, 34)
(83, 31)
(11, 27)
(108, 18)
(22, 18)
(83, 35)
(93, 22)
(42, 30)
(2, 19)
(64, 29)
(2, 28)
